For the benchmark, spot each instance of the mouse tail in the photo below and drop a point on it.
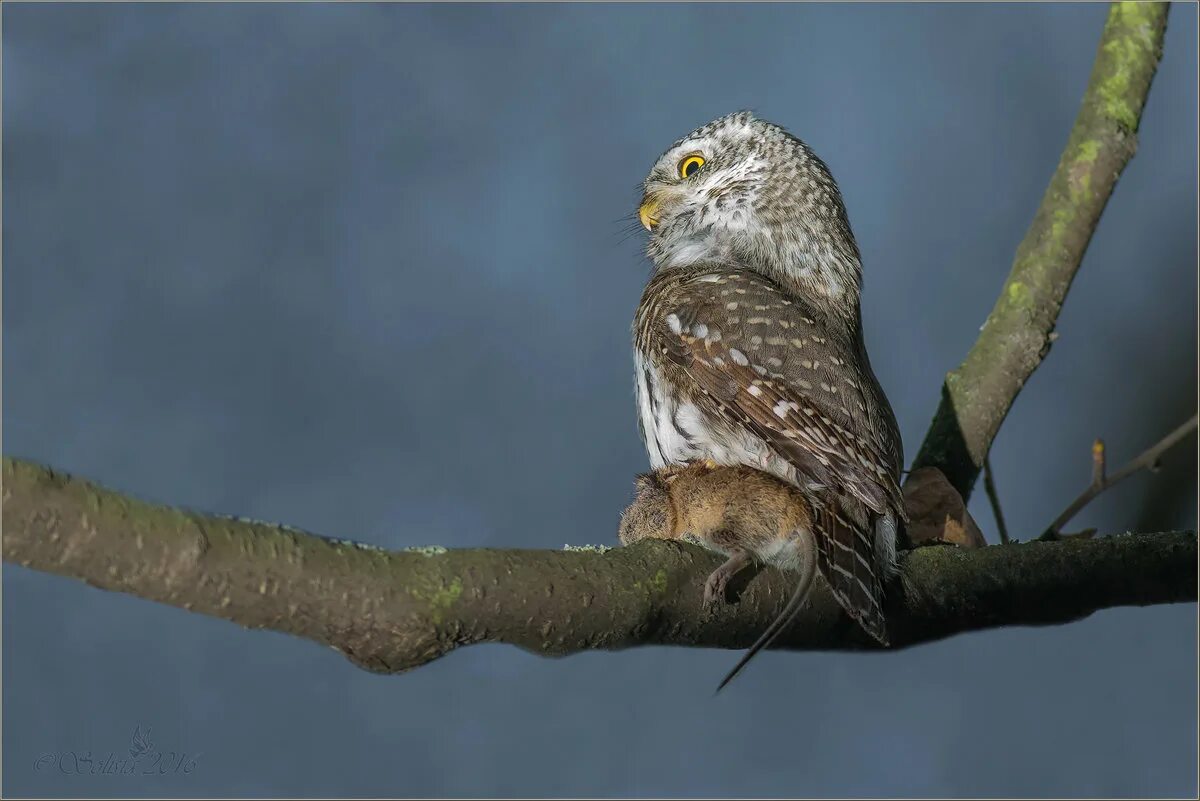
(808, 572)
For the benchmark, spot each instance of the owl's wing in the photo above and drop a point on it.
(766, 367)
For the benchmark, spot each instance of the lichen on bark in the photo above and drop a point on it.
(1018, 333)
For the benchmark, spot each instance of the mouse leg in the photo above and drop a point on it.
(718, 580)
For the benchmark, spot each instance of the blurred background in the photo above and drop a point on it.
(363, 269)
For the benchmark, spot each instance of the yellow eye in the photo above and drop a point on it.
(689, 164)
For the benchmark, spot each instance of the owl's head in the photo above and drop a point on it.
(745, 192)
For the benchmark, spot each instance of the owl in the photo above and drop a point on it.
(749, 343)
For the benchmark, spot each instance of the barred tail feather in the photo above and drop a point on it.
(846, 558)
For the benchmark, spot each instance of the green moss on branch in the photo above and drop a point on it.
(390, 611)
(1017, 334)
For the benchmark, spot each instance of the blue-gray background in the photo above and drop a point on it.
(361, 269)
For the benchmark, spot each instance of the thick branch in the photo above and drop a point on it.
(1017, 334)
(390, 611)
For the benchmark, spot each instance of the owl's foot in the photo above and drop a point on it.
(718, 580)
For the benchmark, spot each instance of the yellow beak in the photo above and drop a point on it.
(646, 213)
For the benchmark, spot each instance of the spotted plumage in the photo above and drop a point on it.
(749, 347)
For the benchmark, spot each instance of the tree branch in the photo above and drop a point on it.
(989, 485)
(1101, 481)
(391, 611)
(1015, 338)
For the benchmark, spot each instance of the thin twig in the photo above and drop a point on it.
(1099, 462)
(989, 484)
(1147, 460)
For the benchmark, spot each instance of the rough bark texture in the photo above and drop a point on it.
(1017, 334)
(392, 611)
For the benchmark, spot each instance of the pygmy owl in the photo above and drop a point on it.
(749, 345)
